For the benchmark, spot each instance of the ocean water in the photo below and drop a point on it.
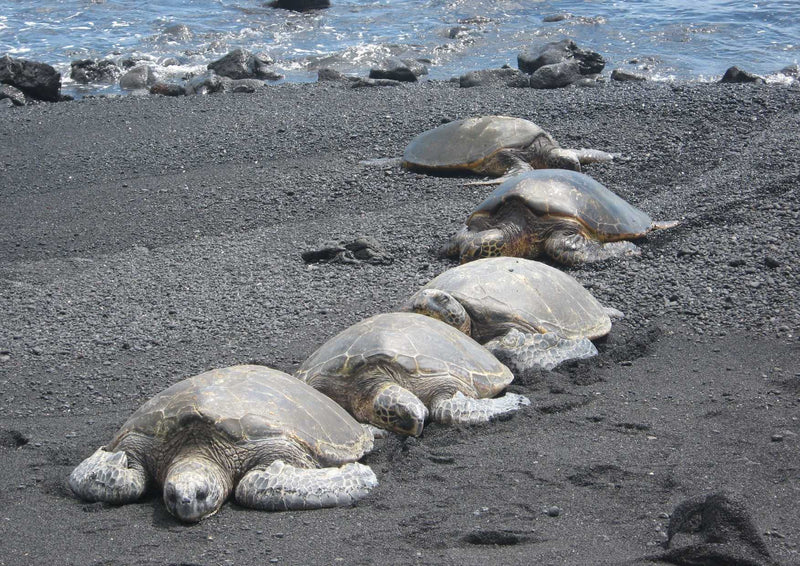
(664, 39)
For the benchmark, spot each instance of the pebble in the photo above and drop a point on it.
(777, 437)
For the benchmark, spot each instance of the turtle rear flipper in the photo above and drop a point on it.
(523, 352)
(585, 156)
(281, 487)
(460, 409)
(664, 224)
(574, 248)
(108, 476)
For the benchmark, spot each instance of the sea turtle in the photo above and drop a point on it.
(269, 435)
(391, 369)
(496, 146)
(564, 214)
(528, 314)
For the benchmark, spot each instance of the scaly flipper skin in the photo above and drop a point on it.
(460, 409)
(470, 245)
(108, 476)
(488, 243)
(523, 352)
(377, 433)
(593, 155)
(281, 487)
(508, 161)
(575, 248)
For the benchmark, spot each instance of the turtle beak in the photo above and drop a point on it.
(410, 421)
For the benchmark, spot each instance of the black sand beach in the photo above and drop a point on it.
(146, 239)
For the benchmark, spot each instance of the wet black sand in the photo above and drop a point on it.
(144, 240)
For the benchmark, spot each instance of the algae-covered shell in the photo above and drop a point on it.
(247, 403)
(424, 350)
(466, 144)
(568, 194)
(500, 293)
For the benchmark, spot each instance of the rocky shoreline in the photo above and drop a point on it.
(552, 65)
(147, 239)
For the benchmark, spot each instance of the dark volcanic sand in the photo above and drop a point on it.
(144, 240)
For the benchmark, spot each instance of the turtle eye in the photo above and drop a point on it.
(171, 496)
(202, 493)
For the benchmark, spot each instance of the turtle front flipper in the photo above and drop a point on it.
(281, 487)
(574, 248)
(108, 476)
(523, 352)
(507, 163)
(394, 408)
(470, 245)
(461, 409)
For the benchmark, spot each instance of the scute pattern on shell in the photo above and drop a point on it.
(249, 402)
(569, 194)
(500, 292)
(418, 344)
(466, 143)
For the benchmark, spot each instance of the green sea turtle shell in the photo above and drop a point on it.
(465, 144)
(249, 402)
(419, 345)
(569, 194)
(500, 293)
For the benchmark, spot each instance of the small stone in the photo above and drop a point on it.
(777, 437)
(623, 75)
(554, 511)
(771, 262)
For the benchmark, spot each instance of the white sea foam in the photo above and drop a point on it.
(690, 41)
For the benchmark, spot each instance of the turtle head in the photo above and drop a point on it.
(560, 158)
(442, 306)
(194, 489)
(392, 407)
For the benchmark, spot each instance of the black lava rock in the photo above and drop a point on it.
(90, 71)
(39, 81)
(396, 69)
(621, 75)
(556, 75)
(242, 64)
(16, 96)
(503, 76)
(363, 249)
(530, 61)
(300, 5)
(167, 89)
(736, 75)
